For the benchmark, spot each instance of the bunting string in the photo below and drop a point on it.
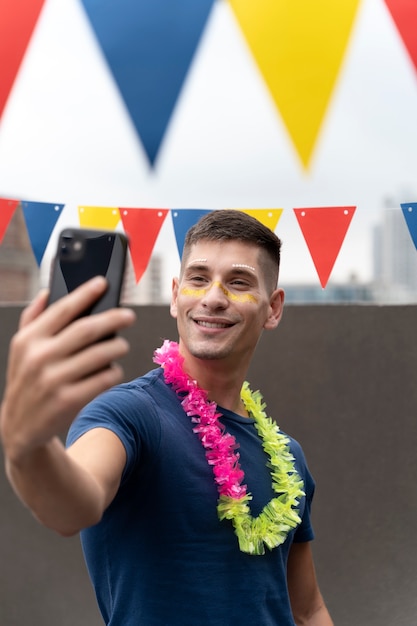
(324, 228)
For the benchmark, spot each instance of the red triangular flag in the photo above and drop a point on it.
(7, 209)
(142, 226)
(324, 229)
(17, 21)
(404, 14)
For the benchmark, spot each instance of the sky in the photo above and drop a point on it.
(65, 136)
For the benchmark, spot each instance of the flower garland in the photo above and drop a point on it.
(280, 515)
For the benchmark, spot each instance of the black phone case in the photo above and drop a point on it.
(83, 254)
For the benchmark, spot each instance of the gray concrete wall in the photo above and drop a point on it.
(342, 380)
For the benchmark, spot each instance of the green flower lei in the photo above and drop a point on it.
(280, 515)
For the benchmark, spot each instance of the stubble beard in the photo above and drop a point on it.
(208, 350)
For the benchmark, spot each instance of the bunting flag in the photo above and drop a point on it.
(410, 214)
(7, 209)
(267, 217)
(324, 229)
(299, 48)
(404, 14)
(40, 219)
(103, 217)
(17, 22)
(182, 220)
(142, 226)
(149, 47)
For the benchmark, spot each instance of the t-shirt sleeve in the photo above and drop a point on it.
(304, 532)
(129, 414)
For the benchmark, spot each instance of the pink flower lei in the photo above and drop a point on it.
(280, 515)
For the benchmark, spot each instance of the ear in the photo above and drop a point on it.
(174, 296)
(276, 308)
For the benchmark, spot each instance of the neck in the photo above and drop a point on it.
(222, 382)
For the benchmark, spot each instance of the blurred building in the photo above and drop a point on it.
(150, 289)
(341, 292)
(394, 260)
(19, 272)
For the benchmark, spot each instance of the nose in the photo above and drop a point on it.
(215, 296)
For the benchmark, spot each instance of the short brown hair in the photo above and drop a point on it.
(231, 224)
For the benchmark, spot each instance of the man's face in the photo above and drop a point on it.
(221, 302)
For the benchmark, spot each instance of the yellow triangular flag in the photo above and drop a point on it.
(299, 47)
(267, 217)
(103, 217)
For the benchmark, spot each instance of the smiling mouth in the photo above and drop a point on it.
(212, 324)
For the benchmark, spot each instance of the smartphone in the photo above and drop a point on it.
(82, 254)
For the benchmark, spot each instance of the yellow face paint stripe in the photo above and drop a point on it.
(233, 297)
(194, 293)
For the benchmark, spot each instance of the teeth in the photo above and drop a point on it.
(212, 325)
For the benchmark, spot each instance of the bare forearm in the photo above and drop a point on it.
(320, 617)
(59, 493)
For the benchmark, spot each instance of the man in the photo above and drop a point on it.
(193, 507)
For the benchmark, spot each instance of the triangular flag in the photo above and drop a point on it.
(149, 47)
(182, 220)
(40, 219)
(404, 14)
(324, 229)
(410, 213)
(142, 226)
(102, 217)
(267, 217)
(299, 47)
(17, 21)
(7, 209)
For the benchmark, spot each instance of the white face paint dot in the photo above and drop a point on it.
(248, 267)
(197, 261)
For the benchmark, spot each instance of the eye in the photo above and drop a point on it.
(197, 279)
(239, 283)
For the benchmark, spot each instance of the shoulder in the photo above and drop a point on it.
(301, 465)
(135, 393)
(124, 409)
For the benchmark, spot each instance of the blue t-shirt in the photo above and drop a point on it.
(160, 556)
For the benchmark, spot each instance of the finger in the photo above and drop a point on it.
(34, 309)
(30, 354)
(73, 397)
(88, 362)
(68, 308)
(90, 330)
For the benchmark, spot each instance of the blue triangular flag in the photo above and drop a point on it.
(149, 47)
(410, 213)
(40, 219)
(182, 220)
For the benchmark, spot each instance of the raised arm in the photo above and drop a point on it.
(57, 364)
